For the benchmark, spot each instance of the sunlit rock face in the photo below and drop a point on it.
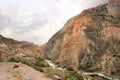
(114, 8)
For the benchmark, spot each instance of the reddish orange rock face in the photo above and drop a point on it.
(89, 41)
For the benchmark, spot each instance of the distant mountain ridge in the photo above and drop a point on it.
(10, 48)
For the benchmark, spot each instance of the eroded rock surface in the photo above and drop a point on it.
(23, 72)
(114, 8)
(89, 41)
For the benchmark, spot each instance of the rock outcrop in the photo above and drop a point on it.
(89, 41)
(10, 48)
(23, 72)
(114, 8)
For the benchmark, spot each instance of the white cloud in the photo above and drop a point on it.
(37, 20)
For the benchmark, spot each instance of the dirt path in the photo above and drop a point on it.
(23, 72)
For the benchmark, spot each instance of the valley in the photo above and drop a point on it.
(86, 48)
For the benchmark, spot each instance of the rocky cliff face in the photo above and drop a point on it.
(114, 8)
(89, 41)
(10, 48)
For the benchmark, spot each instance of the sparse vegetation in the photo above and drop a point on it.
(37, 63)
(50, 72)
(72, 75)
(66, 75)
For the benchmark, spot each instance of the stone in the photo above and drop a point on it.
(114, 8)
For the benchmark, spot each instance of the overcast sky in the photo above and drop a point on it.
(37, 20)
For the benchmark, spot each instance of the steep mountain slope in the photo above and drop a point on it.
(89, 41)
(114, 8)
(10, 48)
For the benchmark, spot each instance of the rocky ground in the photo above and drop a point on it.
(18, 71)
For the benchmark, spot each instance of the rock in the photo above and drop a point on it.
(23, 72)
(15, 66)
(114, 8)
(89, 41)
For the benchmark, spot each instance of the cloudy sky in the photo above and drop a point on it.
(37, 20)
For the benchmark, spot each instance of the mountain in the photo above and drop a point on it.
(20, 60)
(89, 41)
(10, 48)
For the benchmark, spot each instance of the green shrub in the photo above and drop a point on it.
(13, 60)
(50, 71)
(41, 63)
(72, 75)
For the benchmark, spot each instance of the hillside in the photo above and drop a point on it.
(10, 48)
(22, 72)
(89, 41)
